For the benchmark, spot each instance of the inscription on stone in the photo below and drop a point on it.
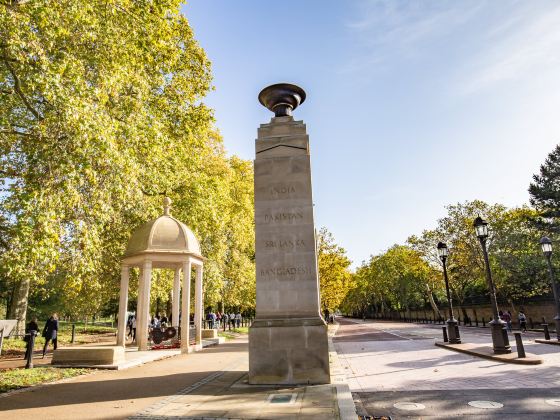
(285, 271)
(282, 217)
(281, 244)
(282, 191)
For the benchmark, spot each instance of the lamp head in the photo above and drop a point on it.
(442, 250)
(481, 227)
(546, 245)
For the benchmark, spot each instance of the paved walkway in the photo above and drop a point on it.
(211, 384)
(123, 393)
(390, 362)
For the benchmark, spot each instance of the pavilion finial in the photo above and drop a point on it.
(166, 206)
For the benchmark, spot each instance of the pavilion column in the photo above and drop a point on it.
(144, 317)
(123, 306)
(186, 308)
(139, 301)
(198, 305)
(176, 298)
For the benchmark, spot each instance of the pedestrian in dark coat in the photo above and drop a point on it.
(50, 332)
(31, 328)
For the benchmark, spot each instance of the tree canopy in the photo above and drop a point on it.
(544, 192)
(410, 276)
(100, 116)
(334, 273)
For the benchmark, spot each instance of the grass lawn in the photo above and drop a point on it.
(93, 333)
(234, 333)
(21, 378)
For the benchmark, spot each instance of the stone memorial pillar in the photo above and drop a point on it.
(288, 339)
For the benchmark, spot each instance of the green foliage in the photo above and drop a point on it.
(545, 193)
(334, 274)
(518, 267)
(409, 276)
(395, 280)
(100, 115)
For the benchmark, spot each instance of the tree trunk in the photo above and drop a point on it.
(169, 304)
(18, 306)
(513, 310)
(432, 301)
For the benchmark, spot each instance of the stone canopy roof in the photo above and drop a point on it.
(163, 235)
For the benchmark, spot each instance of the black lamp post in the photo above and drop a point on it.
(452, 327)
(500, 340)
(546, 245)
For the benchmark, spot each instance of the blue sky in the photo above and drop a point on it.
(410, 105)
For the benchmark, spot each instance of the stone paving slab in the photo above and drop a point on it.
(486, 352)
(382, 373)
(418, 364)
(229, 396)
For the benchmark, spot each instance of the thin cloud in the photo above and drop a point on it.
(388, 29)
(505, 41)
(524, 48)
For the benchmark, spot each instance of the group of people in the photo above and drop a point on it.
(50, 333)
(507, 318)
(157, 321)
(222, 319)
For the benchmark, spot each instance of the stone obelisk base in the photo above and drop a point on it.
(288, 352)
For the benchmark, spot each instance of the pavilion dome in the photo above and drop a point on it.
(163, 235)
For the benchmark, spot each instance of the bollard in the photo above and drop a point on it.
(476, 321)
(31, 345)
(73, 333)
(519, 343)
(546, 332)
(444, 329)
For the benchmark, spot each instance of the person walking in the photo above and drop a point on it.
(522, 321)
(31, 328)
(506, 317)
(129, 326)
(133, 326)
(50, 332)
(238, 319)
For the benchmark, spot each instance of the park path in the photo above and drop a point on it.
(391, 362)
(120, 394)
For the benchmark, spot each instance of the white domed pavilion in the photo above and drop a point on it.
(164, 242)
